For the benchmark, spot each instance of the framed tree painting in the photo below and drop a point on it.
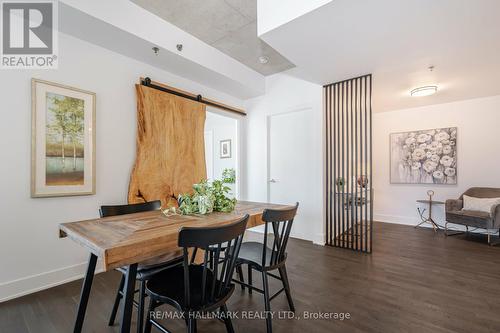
(63, 140)
(424, 157)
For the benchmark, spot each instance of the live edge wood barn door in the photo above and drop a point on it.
(170, 155)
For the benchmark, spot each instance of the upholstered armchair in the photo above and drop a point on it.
(476, 219)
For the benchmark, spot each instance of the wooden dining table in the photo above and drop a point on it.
(127, 240)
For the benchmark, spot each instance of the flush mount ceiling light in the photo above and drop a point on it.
(424, 91)
(263, 60)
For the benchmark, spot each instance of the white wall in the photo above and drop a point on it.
(283, 94)
(478, 146)
(223, 128)
(31, 253)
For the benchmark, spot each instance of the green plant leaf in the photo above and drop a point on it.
(207, 197)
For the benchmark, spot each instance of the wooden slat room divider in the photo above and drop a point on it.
(349, 196)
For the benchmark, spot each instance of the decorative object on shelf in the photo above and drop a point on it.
(340, 183)
(207, 197)
(424, 157)
(225, 148)
(63, 140)
(362, 181)
(353, 199)
(170, 211)
(229, 176)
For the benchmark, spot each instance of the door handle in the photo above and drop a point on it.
(272, 180)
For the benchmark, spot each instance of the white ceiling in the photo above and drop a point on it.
(397, 41)
(125, 28)
(228, 25)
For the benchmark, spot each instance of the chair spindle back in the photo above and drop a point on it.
(281, 221)
(115, 210)
(215, 282)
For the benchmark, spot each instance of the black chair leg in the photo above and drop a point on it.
(117, 302)
(191, 325)
(267, 303)
(240, 275)
(227, 319)
(140, 308)
(212, 260)
(286, 285)
(147, 326)
(250, 278)
(128, 298)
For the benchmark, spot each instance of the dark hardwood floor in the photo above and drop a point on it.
(415, 281)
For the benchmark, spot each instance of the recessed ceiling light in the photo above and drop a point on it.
(263, 60)
(424, 91)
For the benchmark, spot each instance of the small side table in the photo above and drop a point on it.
(428, 218)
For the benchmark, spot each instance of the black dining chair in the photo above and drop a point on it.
(144, 270)
(239, 269)
(195, 289)
(263, 258)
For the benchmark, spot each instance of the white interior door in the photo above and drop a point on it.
(289, 172)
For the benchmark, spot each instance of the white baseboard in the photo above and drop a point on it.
(406, 220)
(30, 284)
(258, 229)
(319, 239)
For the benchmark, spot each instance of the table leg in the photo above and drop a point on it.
(84, 296)
(427, 219)
(128, 298)
(418, 225)
(421, 213)
(434, 224)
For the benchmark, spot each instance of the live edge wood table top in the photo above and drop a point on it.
(129, 239)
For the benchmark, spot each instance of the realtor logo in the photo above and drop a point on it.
(29, 38)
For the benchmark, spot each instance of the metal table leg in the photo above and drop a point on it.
(128, 298)
(427, 219)
(84, 296)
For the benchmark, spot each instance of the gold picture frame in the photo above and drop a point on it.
(63, 144)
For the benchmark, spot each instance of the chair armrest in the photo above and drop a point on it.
(495, 215)
(454, 205)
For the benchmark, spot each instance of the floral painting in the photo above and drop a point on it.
(424, 157)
